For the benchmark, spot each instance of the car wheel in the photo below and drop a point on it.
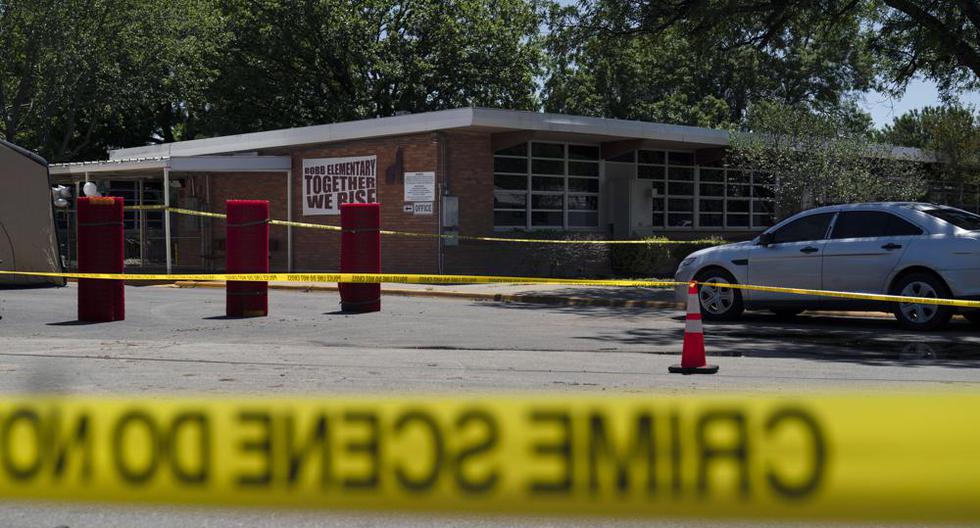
(718, 303)
(786, 313)
(921, 316)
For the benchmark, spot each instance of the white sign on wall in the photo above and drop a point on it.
(420, 186)
(422, 208)
(330, 182)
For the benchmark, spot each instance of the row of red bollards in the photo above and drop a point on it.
(100, 250)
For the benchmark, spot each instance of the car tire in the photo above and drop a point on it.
(718, 304)
(786, 313)
(921, 317)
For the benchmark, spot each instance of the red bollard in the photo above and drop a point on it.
(100, 250)
(360, 252)
(247, 251)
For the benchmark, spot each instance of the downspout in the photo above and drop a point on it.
(445, 188)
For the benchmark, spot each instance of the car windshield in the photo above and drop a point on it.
(958, 218)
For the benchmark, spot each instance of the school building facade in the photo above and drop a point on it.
(468, 171)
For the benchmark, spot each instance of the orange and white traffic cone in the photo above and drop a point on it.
(692, 357)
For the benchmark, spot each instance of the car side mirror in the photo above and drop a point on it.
(765, 239)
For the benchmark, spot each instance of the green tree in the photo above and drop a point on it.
(951, 132)
(604, 63)
(80, 76)
(303, 62)
(822, 157)
(938, 39)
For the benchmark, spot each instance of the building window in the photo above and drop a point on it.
(692, 196)
(542, 185)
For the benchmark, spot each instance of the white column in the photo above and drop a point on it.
(289, 217)
(166, 216)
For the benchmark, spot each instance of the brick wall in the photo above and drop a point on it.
(316, 250)
(230, 186)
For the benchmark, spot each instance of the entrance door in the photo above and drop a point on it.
(793, 260)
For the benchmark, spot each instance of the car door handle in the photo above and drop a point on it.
(809, 249)
(890, 246)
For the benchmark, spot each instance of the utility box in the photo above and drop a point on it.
(450, 220)
(630, 202)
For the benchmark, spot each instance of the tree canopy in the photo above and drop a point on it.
(80, 76)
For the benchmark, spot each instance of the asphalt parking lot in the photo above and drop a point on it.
(177, 341)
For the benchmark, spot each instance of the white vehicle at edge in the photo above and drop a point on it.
(900, 248)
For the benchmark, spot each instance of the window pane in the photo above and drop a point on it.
(583, 185)
(735, 176)
(652, 156)
(547, 201)
(510, 218)
(649, 173)
(681, 158)
(546, 219)
(712, 175)
(583, 168)
(629, 157)
(739, 191)
(674, 188)
(510, 165)
(863, 224)
(509, 183)
(547, 167)
(517, 150)
(960, 219)
(547, 150)
(509, 200)
(548, 184)
(710, 220)
(739, 220)
(580, 219)
(738, 206)
(584, 203)
(763, 206)
(713, 189)
(659, 188)
(680, 220)
(812, 227)
(583, 152)
(680, 173)
(712, 206)
(657, 219)
(677, 205)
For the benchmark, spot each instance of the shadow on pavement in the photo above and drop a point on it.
(865, 341)
(78, 323)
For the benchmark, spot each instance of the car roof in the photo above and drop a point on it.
(876, 206)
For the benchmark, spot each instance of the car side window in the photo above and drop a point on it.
(813, 227)
(867, 224)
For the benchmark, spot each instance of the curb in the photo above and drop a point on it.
(498, 297)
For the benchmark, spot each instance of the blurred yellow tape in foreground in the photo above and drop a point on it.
(858, 456)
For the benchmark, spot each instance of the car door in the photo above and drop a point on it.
(863, 248)
(792, 260)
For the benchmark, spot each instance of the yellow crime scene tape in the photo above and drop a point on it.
(807, 456)
(306, 225)
(408, 278)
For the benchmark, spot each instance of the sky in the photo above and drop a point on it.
(919, 94)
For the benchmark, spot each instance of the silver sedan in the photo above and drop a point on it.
(911, 249)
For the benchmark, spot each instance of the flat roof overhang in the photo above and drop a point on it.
(543, 126)
(155, 166)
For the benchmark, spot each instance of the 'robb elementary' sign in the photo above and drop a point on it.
(330, 182)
